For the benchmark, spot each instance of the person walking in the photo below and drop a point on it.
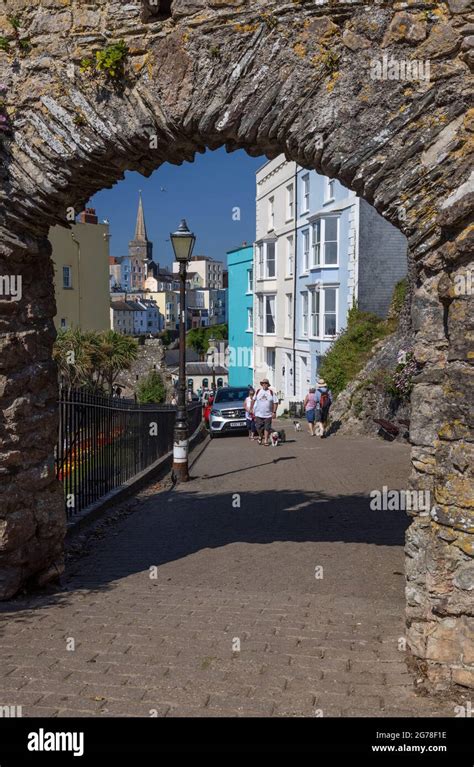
(323, 404)
(264, 407)
(249, 416)
(309, 405)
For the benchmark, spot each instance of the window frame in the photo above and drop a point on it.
(271, 214)
(262, 260)
(69, 272)
(329, 190)
(249, 328)
(321, 314)
(250, 280)
(290, 202)
(288, 315)
(304, 314)
(306, 192)
(269, 296)
(322, 263)
(335, 312)
(290, 255)
(315, 312)
(305, 234)
(270, 276)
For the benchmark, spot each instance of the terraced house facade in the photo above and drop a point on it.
(319, 250)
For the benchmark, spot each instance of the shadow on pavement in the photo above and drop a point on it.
(175, 524)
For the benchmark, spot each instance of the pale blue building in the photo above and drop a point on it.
(346, 254)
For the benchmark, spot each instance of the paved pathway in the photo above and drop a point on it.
(277, 592)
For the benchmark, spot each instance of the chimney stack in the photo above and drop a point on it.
(88, 216)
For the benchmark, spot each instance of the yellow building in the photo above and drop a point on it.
(81, 273)
(168, 304)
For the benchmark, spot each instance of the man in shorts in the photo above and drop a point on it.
(264, 408)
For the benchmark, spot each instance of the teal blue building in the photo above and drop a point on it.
(240, 308)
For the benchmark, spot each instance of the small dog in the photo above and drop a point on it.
(277, 437)
(297, 425)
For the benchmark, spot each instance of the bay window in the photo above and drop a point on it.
(304, 314)
(323, 311)
(306, 250)
(260, 260)
(270, 269)
(317, 243)
(325, 246)
(266, 263)
(330, 241)
(315, 308)
(330, 303)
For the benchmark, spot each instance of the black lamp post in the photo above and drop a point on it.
(183, 243)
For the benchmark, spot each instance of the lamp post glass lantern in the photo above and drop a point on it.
(183, 243)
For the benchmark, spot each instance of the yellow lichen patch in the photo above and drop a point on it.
(441, 12)
(300, 50)
(465, 543)
(245, 27)
(332, 82)
(453, 430)
(185, 38)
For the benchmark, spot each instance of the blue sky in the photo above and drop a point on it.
(204, 192)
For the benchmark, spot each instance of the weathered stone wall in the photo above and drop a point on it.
(151, 356)
(270, 77)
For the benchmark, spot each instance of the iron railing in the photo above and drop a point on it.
(105, 441)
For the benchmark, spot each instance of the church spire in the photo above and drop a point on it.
(140, 247)
(140, 228)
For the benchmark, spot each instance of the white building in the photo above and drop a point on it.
(274, 270)
(211, 272)
(121, 317)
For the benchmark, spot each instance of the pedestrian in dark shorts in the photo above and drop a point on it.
(264, 407)
(309, 405)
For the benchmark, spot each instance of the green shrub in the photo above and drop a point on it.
(351, 350)
(4, 44)
(198, 338)
(111, 59)
(399, 295)
(151, 389)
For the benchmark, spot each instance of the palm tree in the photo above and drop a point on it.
(72, 353)
(113, 353)
(93, 359)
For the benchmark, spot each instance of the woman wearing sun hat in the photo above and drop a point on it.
(323, 403)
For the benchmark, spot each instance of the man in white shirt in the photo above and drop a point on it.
(264, 408)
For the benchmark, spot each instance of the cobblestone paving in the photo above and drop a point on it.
(273, 549)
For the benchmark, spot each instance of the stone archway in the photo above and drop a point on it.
(305, 78)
